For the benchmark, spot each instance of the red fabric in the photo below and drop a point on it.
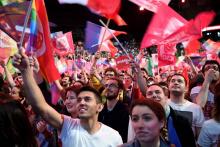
(193, 47)
(46, 60)
(109, 47)
(122, 62)
(119, 21)
(165, 22)
(64, 45)
(166, 54)
(191, 30)
(106, 8)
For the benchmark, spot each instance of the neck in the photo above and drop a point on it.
(111, 103)
(153, 143)
(74, 115)
(90, 125)
(178, 99)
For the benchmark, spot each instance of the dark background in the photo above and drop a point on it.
(73, 17)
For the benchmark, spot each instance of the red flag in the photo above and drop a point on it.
(40, 42)
(192, 30)
(106, 8)
(109, 47)
(119, 21)
(193, 47)
(166, 54)
(123, 62)
(165, 22)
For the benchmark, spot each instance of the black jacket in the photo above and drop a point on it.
(183, 129)
(117, 119)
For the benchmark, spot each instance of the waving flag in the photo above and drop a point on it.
(39, 43)
(63, 44)
(165, 22)
(109, 47)
(192, 29)
(151, 5)
(106, 8)
(94, 35)
(8, 47)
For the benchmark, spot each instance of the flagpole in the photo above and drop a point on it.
(25, 24)
(115, 38)
(107, 24)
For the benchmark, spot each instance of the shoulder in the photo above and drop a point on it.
(109, 130)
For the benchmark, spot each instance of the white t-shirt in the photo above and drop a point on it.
(197, 113)
(209, 104)
(73, 134)
(210, 134)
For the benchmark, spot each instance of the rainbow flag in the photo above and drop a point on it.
(40, 43)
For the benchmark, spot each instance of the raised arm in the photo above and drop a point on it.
(34, 94)
(139, 77)
(202, 97)
(8, 74)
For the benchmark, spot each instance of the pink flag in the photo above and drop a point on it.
(151, 5)
(8, 46)
(63, 44)
(106, 8)
(211, 46)
(164, 23)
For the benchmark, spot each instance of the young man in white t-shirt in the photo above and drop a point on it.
(83, 132)
(178, 88)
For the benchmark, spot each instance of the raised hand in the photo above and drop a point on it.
(21, 61)
(211, 75)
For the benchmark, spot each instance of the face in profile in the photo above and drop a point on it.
(145, 123)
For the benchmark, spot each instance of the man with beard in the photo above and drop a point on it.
(205, 97)
(193, 112)
(115, 114)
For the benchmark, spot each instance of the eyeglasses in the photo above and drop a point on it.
(211, 67)
(111, 86)
(109, 75)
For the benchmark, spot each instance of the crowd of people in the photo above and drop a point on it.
(101, 106)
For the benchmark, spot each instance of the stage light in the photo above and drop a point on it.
(141, 8)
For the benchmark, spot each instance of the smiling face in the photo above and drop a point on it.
(156, 93)
(71, 102)
(145, 123)
(88, 105)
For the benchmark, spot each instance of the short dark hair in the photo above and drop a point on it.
(93, 90)
(156, 107)
(120, 83)
(111, 69)
(143, 69)
(156, 84)
(178, 74)
(210, 62)
(15, 128)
